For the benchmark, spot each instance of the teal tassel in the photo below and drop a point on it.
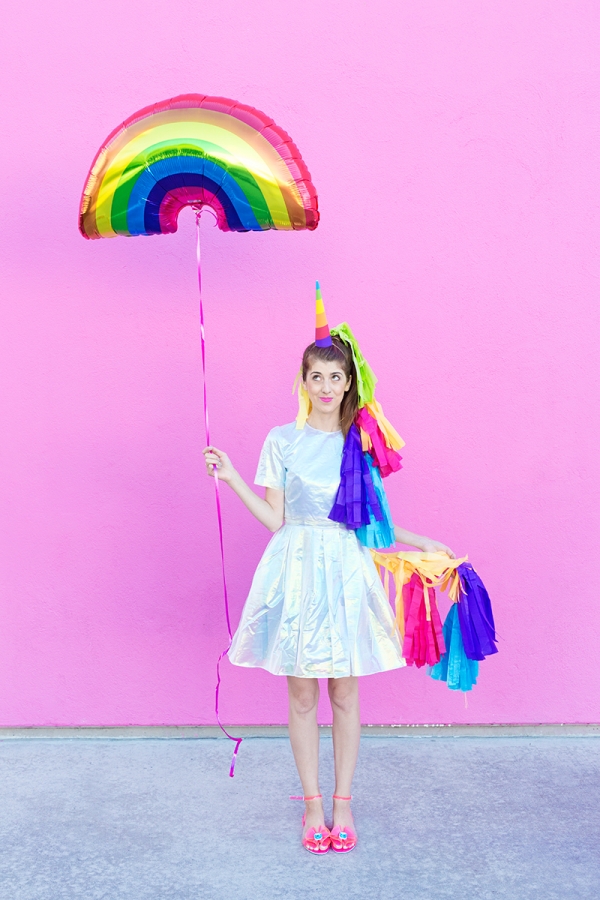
(454, 667)
(377, 535)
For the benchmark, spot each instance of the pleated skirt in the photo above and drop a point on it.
(317, 608)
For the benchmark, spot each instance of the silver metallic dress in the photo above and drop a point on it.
(316, 608)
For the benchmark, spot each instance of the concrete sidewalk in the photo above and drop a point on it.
(469, 819)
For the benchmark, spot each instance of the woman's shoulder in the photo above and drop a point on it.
(284, 434)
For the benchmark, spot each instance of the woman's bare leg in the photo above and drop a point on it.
(343, 693)
(304, 738)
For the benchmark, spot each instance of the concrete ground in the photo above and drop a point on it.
(438, 819)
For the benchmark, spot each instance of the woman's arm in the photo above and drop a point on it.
(269, 511)
(424, 544)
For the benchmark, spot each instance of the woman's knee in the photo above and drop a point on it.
(304, 695)
(343, 693)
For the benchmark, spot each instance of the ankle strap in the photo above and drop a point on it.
(337, 797)
(316, 797)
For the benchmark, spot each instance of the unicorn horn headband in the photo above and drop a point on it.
(322, 334)
(378, 436)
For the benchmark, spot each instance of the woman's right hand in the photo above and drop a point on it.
(214, 457)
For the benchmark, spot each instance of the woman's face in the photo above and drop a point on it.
(326, 383)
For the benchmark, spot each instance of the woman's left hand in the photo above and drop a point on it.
(426, 545)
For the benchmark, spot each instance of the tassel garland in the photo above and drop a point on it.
(468, 635)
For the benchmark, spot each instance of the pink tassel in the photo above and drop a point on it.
(423, 637)
(384, 457)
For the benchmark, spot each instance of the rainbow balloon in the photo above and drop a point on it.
(197, 151)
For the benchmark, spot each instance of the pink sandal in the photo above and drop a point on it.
(315, 841)
(343, 840)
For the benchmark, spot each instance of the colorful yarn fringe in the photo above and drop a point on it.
(379, 444)
(378, 437)
(370, 449)
(468, 634)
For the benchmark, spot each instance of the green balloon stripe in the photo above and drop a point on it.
(167, 150)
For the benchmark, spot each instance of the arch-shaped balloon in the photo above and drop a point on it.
(195, 150)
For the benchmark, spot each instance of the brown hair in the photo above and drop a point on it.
(340, 353)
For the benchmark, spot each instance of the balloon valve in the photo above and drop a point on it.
(204, 207)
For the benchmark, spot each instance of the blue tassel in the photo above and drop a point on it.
(459, 672)
(377, 534)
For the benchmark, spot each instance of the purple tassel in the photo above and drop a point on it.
(356, 494)
(475, 615)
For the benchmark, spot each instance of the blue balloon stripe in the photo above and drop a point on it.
(186, 171)
(157, 194)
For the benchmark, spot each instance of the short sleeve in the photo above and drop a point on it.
(271, 470)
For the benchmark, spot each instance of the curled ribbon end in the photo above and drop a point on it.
(238, 741)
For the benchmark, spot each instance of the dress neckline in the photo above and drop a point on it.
(320, 430)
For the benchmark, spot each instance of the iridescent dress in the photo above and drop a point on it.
(316, 607)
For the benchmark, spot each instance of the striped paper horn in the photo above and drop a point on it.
(322, 335)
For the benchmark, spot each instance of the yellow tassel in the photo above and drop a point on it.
(455, 588)
(426, 598)
(304, 404)
(392, 438)
(399, 603)
(434, 570)
(398, 583)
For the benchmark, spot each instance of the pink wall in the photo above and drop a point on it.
(455, 150)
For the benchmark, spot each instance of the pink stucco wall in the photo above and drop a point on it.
(455, 150)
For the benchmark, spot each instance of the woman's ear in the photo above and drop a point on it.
(349, 385)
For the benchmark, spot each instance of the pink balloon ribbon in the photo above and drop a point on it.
(238, 741)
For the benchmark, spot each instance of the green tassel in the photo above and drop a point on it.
(365, 377)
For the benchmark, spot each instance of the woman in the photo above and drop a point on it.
(317, 608)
